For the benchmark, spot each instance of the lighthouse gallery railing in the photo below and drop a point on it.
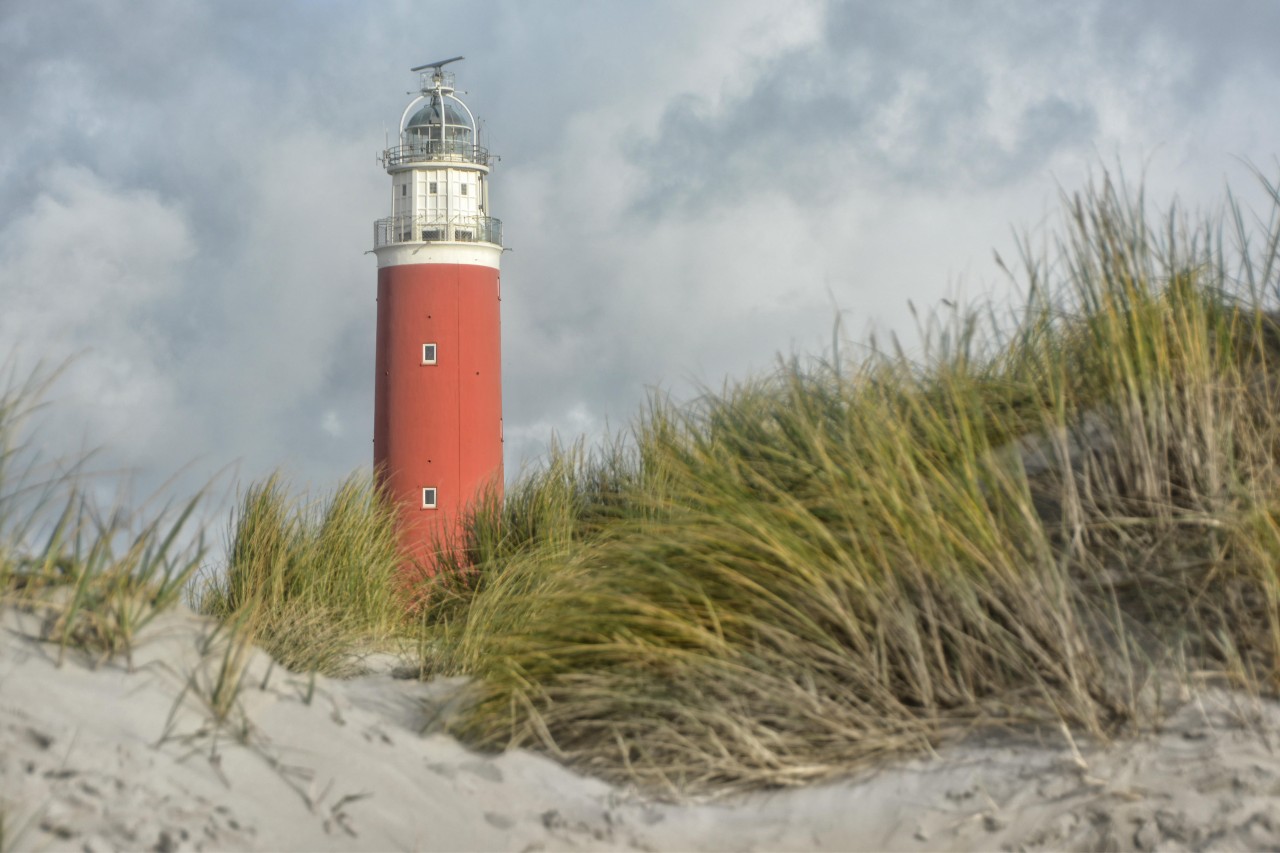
(434, 229)
(435, 150)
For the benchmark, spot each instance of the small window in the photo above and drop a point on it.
(404, 190)
(464, 189)
(428, 498)
(431, 187)
(428, 353)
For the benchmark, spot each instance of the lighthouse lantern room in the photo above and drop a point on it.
(437, 427)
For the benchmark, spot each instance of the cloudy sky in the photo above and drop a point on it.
(187, 190)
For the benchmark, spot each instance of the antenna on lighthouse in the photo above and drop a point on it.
(437, 65)
(440, 79)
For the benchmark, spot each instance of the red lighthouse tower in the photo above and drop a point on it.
(437, 424)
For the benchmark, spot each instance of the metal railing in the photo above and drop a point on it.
(436, 229)
(448, 151)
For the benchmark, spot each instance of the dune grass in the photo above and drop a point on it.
(1049, 518)
(97, 573)
(315, 583)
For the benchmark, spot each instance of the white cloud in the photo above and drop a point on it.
(689, 188)
(86, 272)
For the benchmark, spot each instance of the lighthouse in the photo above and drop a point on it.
(437, 424)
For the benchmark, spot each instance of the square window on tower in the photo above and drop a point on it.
(464, 189)
(404, 190)
(431, 187)
(428, 353)
(428, 498)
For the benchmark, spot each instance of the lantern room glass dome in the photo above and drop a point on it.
(425, 125)
(436, 126)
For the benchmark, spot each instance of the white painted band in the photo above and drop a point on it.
(477, 254)
(433, 166)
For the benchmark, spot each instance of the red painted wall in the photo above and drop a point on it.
(437, 425)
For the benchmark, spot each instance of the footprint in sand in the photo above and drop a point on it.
(486, 770)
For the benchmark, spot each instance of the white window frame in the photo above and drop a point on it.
(430, 497)
(435, 351)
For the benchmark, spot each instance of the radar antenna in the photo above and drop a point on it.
(437, 65)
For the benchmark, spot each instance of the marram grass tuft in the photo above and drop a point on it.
(97, 574)
(1053, 520)
(318, 581)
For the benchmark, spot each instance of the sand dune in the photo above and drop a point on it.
(107, 757)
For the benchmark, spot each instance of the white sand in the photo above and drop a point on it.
(101, 759)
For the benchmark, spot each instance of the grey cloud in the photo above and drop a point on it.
(83, 265)
(228, 150)
(193, 140)
(1040, 130)
(1186, 51)
(901, 93)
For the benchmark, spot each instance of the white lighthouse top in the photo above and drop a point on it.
(442, 128)
(439, 181)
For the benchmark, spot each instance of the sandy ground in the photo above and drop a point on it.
(102, 758)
